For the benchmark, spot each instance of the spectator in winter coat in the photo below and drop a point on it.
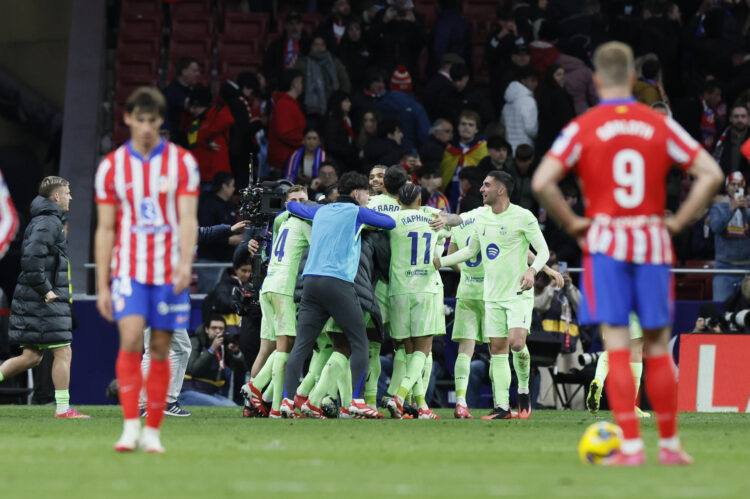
(466, 96)
(287, 123)
(555, 107)
(338, 134)
(246, 111)
(505, 52)
(398, 35)
(727, 151)
(522, 171)
(177, 94)
(366, 99)
(368, 130)
(324, 74)
(354, 53)
(432, 151)
(579, 82)
(209, 133)
(647, 89)
(303, 164)
(520, 115)
(440, 87)
(451, 33)
(698, 115)
(41, 317)
(387, 148)
(283, 52)
(333, 27)
(465, 151)
(498, 157)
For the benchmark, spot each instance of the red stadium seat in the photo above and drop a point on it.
(134, 8)
(127, 63)
(689, 289)
(191, 7)
(145, 46)
(191, 26)
(125, 84)
(148, 25)
(230, 67)
(242, 26)
(197, 47)
(228, 45)
(706, 279)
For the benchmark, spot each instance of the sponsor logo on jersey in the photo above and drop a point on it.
(474, 279)
(416, 273)
(492, 251)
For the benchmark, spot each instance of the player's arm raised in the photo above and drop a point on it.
(544, 185)
(104, 242)
(187, 206)
(452, 248)
(708, 178)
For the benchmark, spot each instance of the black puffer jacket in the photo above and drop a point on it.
(374, 263)
(44, 268)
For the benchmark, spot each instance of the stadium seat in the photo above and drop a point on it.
(191, 7)
(188, 27)
(143, 25)
(690, 289)
(230, 67)
(126, 83)
(228, 46)
(197, 47)
(128, 63)
(245, 26)
(135, 8)
(145, 46)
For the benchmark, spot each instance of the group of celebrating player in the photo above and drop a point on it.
(621, 152)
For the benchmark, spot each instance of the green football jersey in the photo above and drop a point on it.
(383, 203)
(471, 284)
(413, 246)
(503, 241)
(289, 243)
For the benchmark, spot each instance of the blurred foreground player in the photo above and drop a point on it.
(622, 152)
(147, 197)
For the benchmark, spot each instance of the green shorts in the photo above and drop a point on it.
(50, 346)
(636, 331)
(279, 316)
(500, 316)
(467, 323)
(440, 312)
(415, 315)
(332, 327)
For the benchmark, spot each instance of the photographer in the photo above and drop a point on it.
(737, 309)
(211, 361)
(709, 320)
(730, 221)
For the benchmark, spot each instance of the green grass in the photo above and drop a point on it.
(215, 453)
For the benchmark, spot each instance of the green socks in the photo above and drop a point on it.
(373, 374)
(500, 372)
(264, 375)
(461, 373)
(637, 368)
(328, 378)
(317, 363)
(344, 382)
(522, 366)
(602, 367)
(62, 397)
(427, 373)
(277, 378)
(399, 368)
(414, 367)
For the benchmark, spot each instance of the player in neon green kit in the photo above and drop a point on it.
(636, 365)
(291, 236)
(413, 292)
(503, 235)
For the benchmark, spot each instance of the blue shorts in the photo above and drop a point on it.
(158, 304)
(612, 289)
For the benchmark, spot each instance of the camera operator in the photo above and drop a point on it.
(730, 221)
(213, 357)
(709, 320)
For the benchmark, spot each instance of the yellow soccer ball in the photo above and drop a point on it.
(599, 442)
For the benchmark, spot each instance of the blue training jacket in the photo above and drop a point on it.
(335, 244)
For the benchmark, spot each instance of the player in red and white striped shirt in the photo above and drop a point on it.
(147, 196)
(8, 218)
(622, 152)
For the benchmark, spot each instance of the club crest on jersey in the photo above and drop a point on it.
(492, 251)
(503, 230)
(165, 183)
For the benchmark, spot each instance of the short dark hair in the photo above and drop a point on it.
(497, 142)
(458, 71)
(200, 96)
(650, 69)
(309, 129)
(428, 171)
(146, 100)
(394, 178)
(243, 258)
(328, 163)
(504, 178)
(711, 86)
(352, 181)
(408, 193)
(524, 152)
(288, 77)
(220, 178)
(373, 74)
(473, 175)
(248, 80)
(215, 317)
(334, 103)
(388, 126)
(183, 63)
(528, 72)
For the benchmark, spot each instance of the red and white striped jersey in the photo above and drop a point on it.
(145, 191)
(8, 218)
(622, 152)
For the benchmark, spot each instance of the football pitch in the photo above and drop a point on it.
(215, 453)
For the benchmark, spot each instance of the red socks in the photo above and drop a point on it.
(661, 388)
(129, 379)
(157, 385)
(621, 393)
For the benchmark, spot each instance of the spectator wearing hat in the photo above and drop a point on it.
(727, 151)
(283, 52)
(177, 94)
(466, 96)
(450, 34)
(730, 222)
(333, 28)
(287, 122)
(398, 35)
(499, 156)
(440, 87)
(338, 133)
(429, 180)
(433, 149)
(520, 114)
(208, 136)
(401, 79)
(216, 208)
